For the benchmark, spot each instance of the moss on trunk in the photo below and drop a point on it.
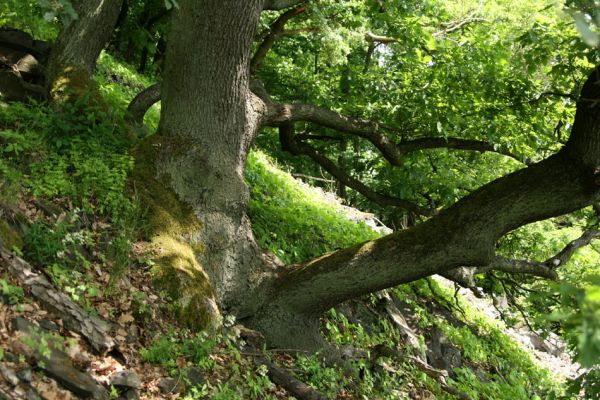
(171, 228)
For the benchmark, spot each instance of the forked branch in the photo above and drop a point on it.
(543, 269)
(275, 31)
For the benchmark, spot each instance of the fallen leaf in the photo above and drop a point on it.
(125, 319)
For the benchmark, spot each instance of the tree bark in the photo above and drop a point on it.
(73, 57)
(208, 122)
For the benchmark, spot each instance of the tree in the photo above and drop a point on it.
(192, 171)
(73, 57)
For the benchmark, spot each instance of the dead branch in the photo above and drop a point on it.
(94, 329)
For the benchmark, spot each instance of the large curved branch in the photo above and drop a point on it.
(276, 29)
(289, 143)
(277, 5)
(142, 102)
(464, 234)
(370, 130)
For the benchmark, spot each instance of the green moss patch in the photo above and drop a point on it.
(171, 227)
(9, 238)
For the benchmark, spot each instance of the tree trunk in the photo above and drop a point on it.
(73, 57)
(208, 121)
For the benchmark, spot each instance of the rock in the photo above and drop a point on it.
(441, 354)
(14, 88)
(25, 375)
(57, 364)
(29, 67)
(9, 375)
(251, 337)
(23, 325)
(128, 379)
(170, 385)
(194, 376)
(59, 367)
(49, 325)
(397, 317)
(131, 394)
(10, 357)
(22, 42)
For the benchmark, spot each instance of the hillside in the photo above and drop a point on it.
(74, 219)
(299, 199)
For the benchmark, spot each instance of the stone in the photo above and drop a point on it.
(14, 88)
(128, 379)
(32, 395)
(441, 354)
(23, 325)
(57, 364)
(10, 357)
(170, 385)
(59, 367)
(9, 375)
(22, 42)
(194, 376)
(25, 375)
(131, 394)
(49, 325)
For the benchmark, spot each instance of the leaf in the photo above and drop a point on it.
(125, 319)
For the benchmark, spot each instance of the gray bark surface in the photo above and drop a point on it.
(208, 122)
(80, 43)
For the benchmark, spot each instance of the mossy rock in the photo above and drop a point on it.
(171, 226)
(9, 237)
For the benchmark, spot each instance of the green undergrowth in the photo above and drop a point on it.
(67, 168)
(119, 84)
(294, 222)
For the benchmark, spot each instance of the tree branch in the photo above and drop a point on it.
(290, 144)
(454, 26)
(276, 29)
(277, 5)
(371, 37)
(455, 144)
(370, 130)
(463, 234)
(142, 103)
(464, 276)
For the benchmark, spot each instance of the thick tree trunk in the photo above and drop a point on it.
(208, 122)
(73, 57)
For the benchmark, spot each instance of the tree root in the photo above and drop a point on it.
(254, 342)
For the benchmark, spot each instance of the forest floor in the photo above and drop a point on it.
(46, 356)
